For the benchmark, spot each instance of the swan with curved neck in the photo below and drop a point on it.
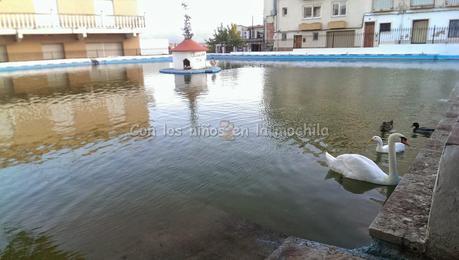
(359, 167)
(381, 148)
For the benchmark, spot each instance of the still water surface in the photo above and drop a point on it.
(79, 170)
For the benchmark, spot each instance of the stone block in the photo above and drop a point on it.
(404, 217)
(299, 249)
(443, 240)
(446, 124)
(453, 138)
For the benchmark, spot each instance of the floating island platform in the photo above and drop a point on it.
(210, 70)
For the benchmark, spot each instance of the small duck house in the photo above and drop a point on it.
(189, 55)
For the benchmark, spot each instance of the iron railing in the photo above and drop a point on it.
(452, 3)
(69, 21)
(352, 38)
(422, 3)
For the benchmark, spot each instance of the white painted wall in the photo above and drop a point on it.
(290, 23)
(198, 60)
(269, 7)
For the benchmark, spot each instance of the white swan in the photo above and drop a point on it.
(381, 148)
(358, 167)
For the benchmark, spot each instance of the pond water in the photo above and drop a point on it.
(117, 161)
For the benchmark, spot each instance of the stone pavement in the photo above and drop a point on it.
(443, 236)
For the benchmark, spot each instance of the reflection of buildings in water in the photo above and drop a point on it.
(48, 112)
(26, 245)
(6, 125)
(6, 86)
(191, 87)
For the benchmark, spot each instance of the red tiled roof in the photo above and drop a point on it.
(189, 45)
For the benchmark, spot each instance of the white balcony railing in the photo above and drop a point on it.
(69, 21)
(422, 3)
(452, 2)
(383, 5)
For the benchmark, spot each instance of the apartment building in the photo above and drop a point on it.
(293, 24)
(315, 23)
(269, 15)
(412, 22)
(253, 37)
(57, 29)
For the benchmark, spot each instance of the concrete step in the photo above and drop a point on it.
(296, 248)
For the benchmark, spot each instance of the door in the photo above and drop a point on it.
(419, 31)
(297, 41)
(341, 39)
(53, 51)
(46, 13)
(369, 34)
(99, 50)
(105, 13)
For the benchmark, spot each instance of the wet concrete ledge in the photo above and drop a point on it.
(64, 63)
(443, 227)
(403, 222)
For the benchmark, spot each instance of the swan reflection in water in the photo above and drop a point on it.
(359, 187)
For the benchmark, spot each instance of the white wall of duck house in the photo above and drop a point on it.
(198, 60)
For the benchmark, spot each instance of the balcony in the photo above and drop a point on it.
(34, 23)
(383, 5)
(422, 3)
(452, 2)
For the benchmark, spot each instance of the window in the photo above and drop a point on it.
(339, 9)
(316, 11)
(308, 12)
(259, 35)
(453, 28)
(384, 27)
(284, 36)
(284, 11)
(315, 36)
(311, 12)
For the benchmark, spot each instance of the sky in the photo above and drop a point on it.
(165, 17)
